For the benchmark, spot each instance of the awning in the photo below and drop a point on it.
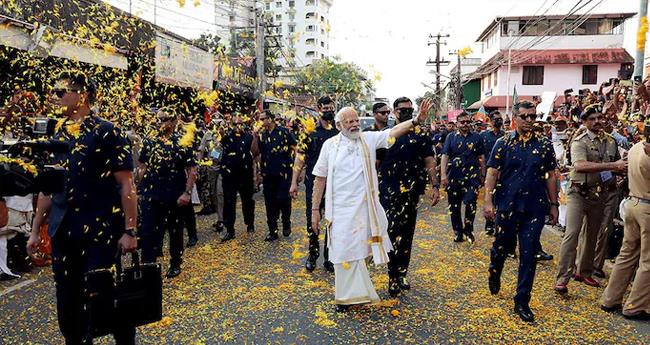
(19, 38)
(497, 102)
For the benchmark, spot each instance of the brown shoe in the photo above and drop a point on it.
(591, 282)
(561, 288)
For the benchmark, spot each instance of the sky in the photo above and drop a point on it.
(388, 38)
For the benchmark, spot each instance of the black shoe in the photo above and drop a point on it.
(310, 264)
(543, 256)
(494, 282)
(329, 266)
(342, 308)
(7, 277)
(459, 238)
(403, 283)
(250, 228)
(489, 231)
(470, 237)
(613, 309)
(218, 227)
(173, 271)
(227, 237)
(512, 255)
(393, 288)
(524, 312)
(205, 211)
(271, 237)
(286, 230)
(599, 274)
(192, 242)
(642, 316)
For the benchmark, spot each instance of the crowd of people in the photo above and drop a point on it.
(126, 187)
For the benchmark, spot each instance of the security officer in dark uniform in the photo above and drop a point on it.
(380, 111)
(490, 137)
(462, 169)
(520, 190)
(307, 154)
(277, 146)
(237, 169)
(168, 171)
(95, 214)
(403, 174)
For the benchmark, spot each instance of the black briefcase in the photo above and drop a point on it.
(123, 297)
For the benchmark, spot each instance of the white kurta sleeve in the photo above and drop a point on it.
(379, 139)
(322, 164)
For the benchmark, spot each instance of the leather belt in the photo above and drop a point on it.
(641, 200)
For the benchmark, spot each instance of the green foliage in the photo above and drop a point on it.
(211, 43)
(346, 82)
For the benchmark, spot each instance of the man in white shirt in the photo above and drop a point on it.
(355, 220)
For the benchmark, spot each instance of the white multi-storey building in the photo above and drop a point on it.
(550, 53)
(303, 27)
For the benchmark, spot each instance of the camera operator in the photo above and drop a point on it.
(95, 215)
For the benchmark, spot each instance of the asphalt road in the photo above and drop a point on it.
(250, 291)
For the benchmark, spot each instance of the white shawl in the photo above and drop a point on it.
(379, 241)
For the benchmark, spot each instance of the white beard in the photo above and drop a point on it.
(351, 135)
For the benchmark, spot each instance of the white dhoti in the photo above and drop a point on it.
(358, 222)
(352, 284)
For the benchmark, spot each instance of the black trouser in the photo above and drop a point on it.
(243, 184)
(401, 211)
(489, 225)
(458, 194)
(156, 218)
(73, 255)
(314, 246)
(189, 219)
(277, 201)
(528, 228)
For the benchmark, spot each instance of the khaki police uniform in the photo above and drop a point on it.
(636, 241)
(586, 201)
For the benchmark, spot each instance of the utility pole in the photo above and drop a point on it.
(640, 48)
(508, 115)
(259, 53)
(458, 92)
(438, 63)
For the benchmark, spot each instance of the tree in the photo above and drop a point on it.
(347, 83)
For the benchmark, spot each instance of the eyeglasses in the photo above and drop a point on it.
(465, 122)
(531, 117)
(384, 112)
(405, 110)
(61, 92)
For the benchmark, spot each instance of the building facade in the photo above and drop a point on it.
(551, 53)
(303, 27)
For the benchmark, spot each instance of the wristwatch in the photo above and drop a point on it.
(131, 232)
(555, 204)
(415, 121)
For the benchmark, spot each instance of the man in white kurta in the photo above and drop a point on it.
(355, 219)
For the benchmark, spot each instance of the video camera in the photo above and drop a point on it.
(23, 169)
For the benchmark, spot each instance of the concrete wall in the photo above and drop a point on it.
(565, 42)
(556, 78)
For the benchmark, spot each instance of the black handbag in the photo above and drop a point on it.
(123, 297)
